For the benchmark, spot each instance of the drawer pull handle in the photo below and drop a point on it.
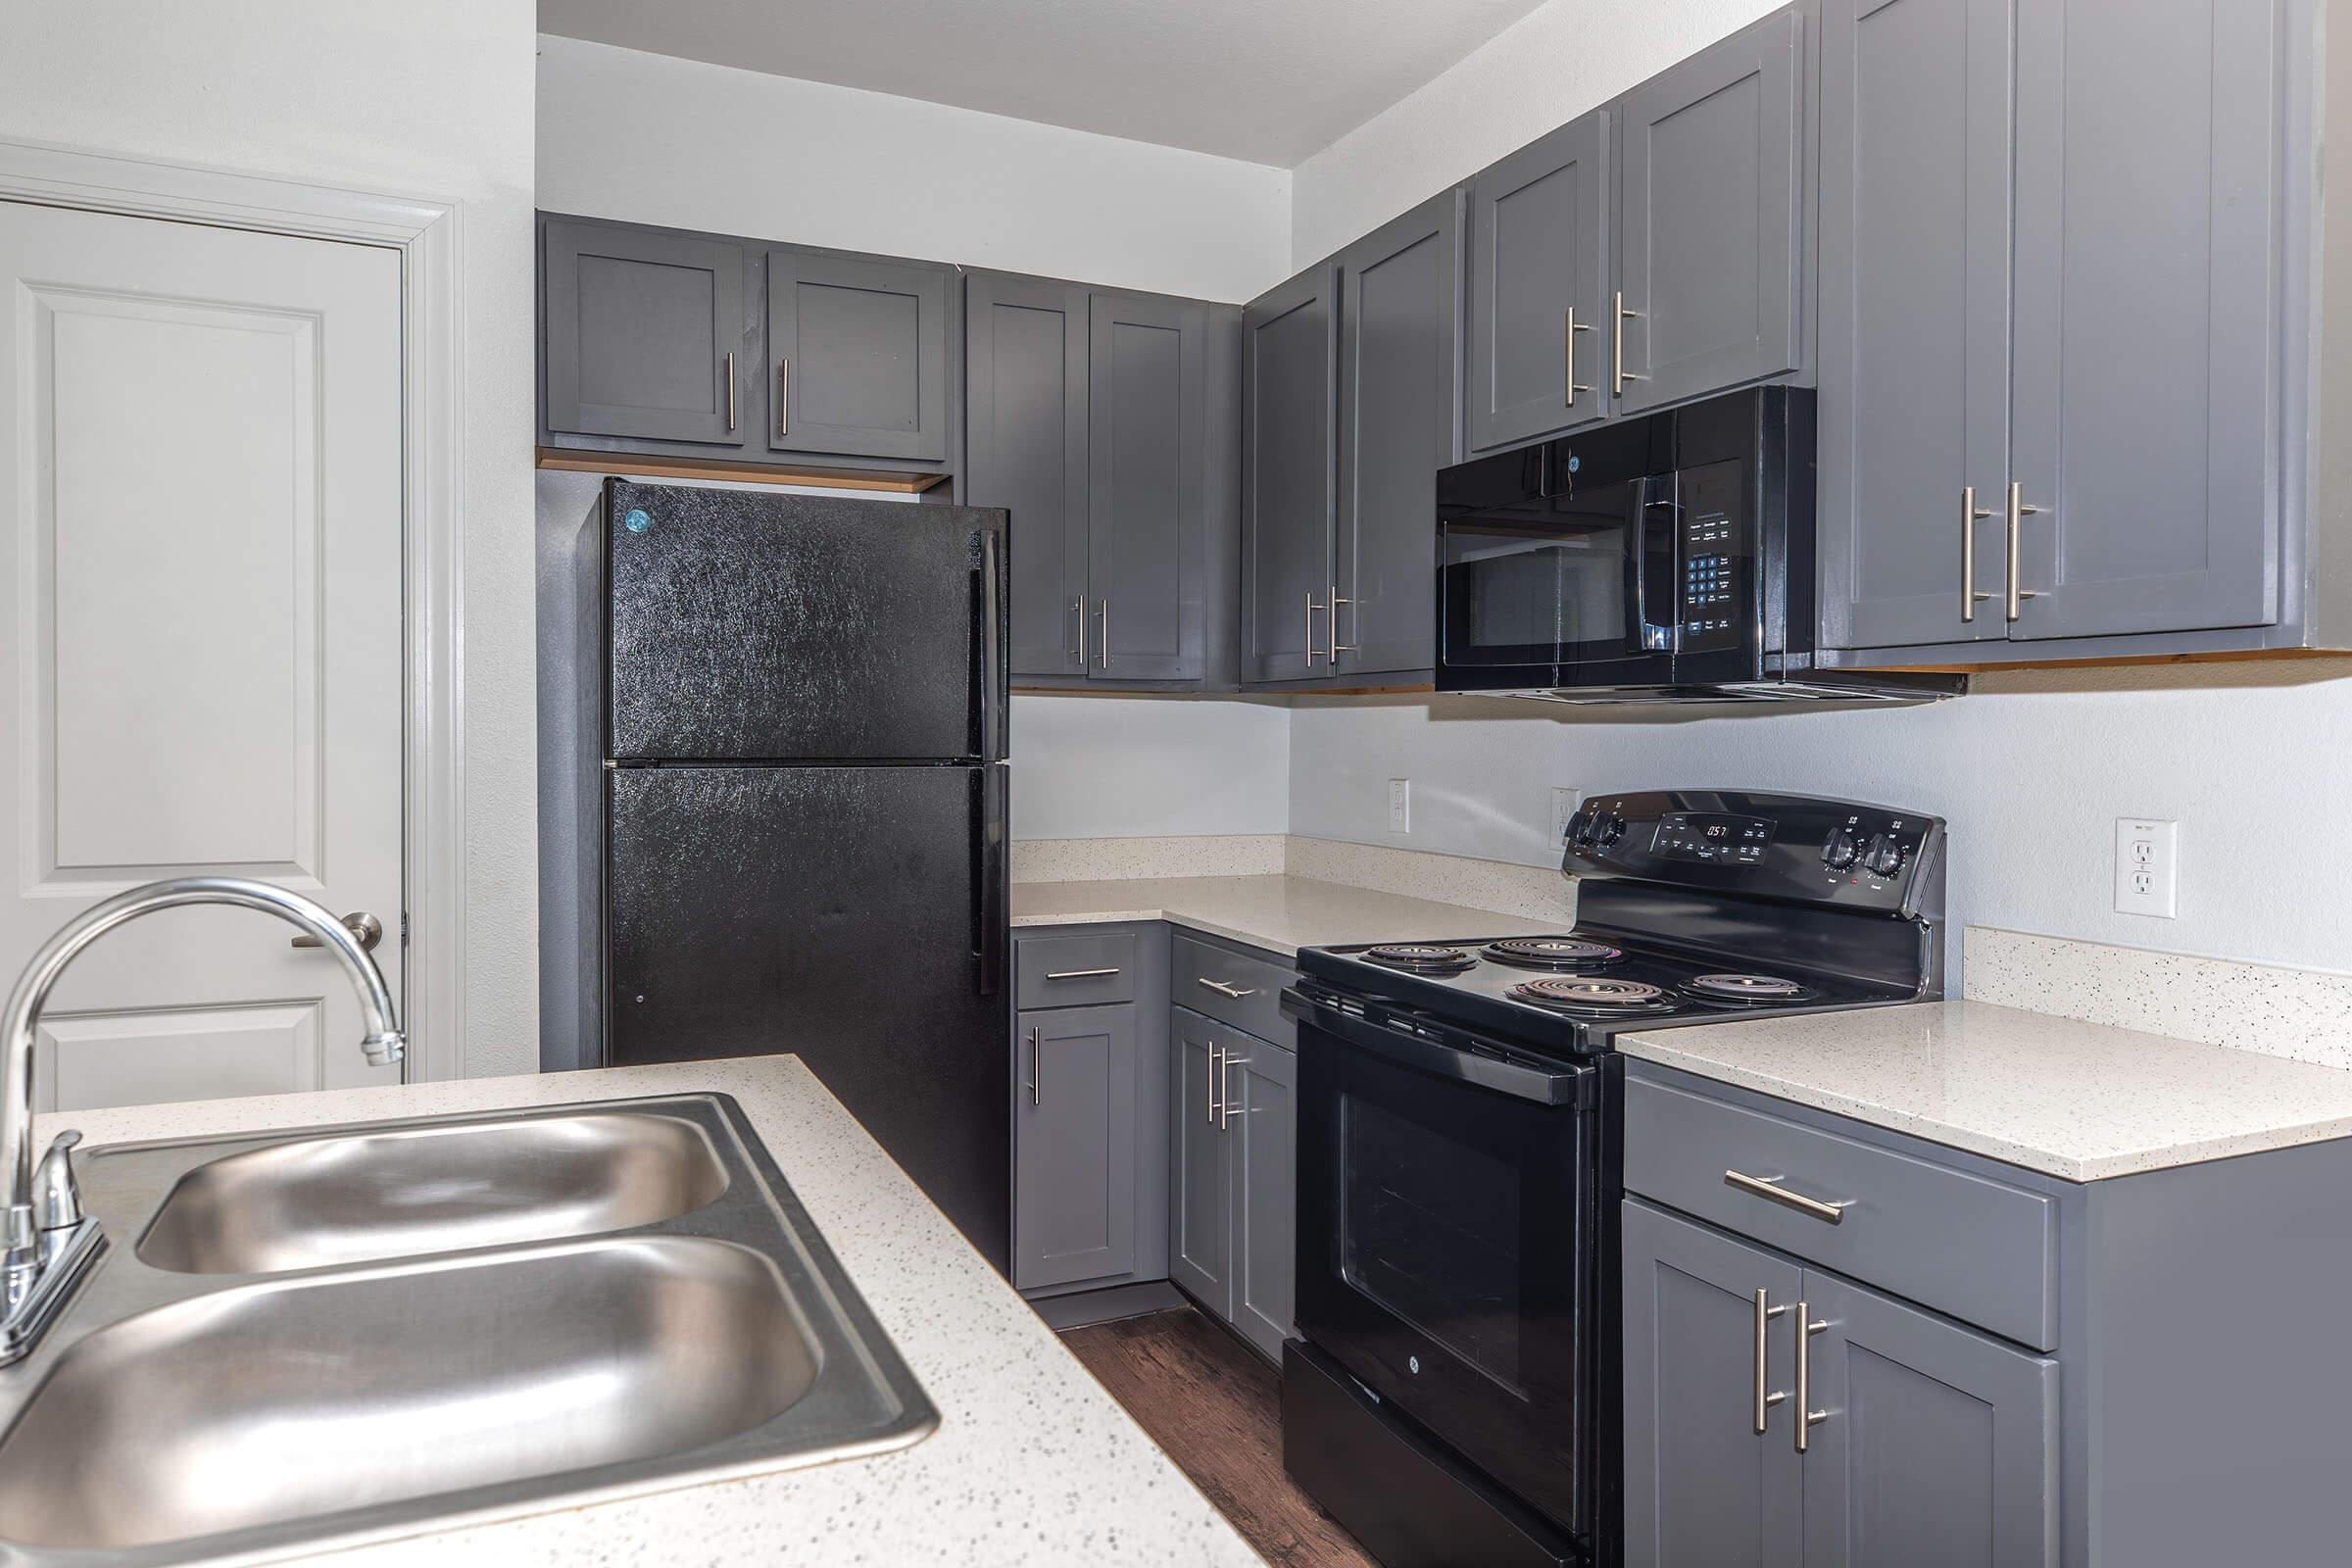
(1770, 1187)
(1224, 990)
(1078, 975)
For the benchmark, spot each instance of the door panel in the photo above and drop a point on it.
(2149, 209)
(1264, 1141)
(1074, 1137)
(1710, 236)
(1399, 410)
(1149, 410)
(201, 673)
(1539, 249)
(1915, 217)
(1703, 1488)
(1199, 1185)
(830, 911)
(1940, 1447)
(640, 326)
(857, 356)
(1290, 383)
(1025, 450)
(761, 627)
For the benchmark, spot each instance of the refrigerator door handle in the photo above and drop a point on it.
(991, 665)
(989, 904)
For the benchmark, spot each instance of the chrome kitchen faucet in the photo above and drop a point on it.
(48, 1241)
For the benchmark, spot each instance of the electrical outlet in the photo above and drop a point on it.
(1400, 806)
(1564, 800)
(2147, 867)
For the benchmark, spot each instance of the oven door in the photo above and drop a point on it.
(1449, 1235)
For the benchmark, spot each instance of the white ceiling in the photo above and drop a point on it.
(1271, 81)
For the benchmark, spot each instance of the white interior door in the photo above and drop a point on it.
(200, 666)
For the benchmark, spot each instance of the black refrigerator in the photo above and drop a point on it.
(802, 833)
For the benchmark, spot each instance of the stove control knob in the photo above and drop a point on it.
(1886, 856)
(1841, 851)
(1607, 829)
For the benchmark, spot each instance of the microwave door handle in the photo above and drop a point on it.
(1655, 568)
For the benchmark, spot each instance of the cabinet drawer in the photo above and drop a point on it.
(1075, 971)
(1230, 988)
(1964, 1244)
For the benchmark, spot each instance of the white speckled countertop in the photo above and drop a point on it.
(1279, 914)
(2079, 1100)
(1032, 1464)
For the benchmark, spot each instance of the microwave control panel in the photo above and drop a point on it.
(1717, 559)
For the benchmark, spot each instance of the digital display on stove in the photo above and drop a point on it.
(1712, 837)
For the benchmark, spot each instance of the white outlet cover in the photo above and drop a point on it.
(1564, 800)
(1400, 806)
(2148, 867)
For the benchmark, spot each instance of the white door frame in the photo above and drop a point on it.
(427, 234)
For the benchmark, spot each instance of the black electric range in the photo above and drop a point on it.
(1460, 1126)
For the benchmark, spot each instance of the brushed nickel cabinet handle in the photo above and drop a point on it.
(1575, 326)
(1078, 975)
(1769, 1187)
(1619, 316)
(1227, 1061)
(1807, 1418)
(1311, 608)
(1102, 641)
(1970, 516)
(1215, 1053)
(1765, 1313)
(730, 390)
(1337, 647)
(2019, 511)
(783, 397)
(1222, 988)
(1037, 1065)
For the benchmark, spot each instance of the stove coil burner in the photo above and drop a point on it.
(1553, 953)
(1748, 987)
(1421, 957)
(1596, 992)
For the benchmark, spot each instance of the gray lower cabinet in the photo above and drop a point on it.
(1233, 1186)
(1537, 294)
(1074, 1166)
(859, 355)
(644, 334)
(1711, 234)
(1290, 381)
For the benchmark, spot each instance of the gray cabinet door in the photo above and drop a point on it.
(1262, 1082)
(1914, 408)
(1938, 1447)
(1538, 261)
(2148, 311)
(1025, 407)
(644, 328)
(1710, 231)
(1703, 1488)
(1290, 378)
(857, 356)
(1074, 1136)
(1147, 492)
(1399, 412)
(1199, 1174)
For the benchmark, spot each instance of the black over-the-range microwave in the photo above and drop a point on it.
(1665, 558)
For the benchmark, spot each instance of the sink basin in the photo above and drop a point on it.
(496, 1314)
(273, 1402)
(318, 1202)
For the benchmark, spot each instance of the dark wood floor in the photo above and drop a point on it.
(1215, 1407)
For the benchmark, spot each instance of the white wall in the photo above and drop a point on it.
(652, 140)
(1544, 69)
(430, 98)
(1088, 767)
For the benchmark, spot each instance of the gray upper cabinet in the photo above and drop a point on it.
(1712, 1474)
(1914, 407)
(1289, 377)
(1710, 231)
(1399, 400)
(1074, 1131)
(2148, 286)
(1025, 450)
(859, 355)
(646, 335)
(1261, 1080)
(1147, 503)
(1538, 289)
(1199, 1190)
(1935, 1444)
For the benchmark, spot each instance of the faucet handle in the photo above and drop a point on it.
(56, 1195)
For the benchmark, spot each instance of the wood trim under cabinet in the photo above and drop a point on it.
(571, 462)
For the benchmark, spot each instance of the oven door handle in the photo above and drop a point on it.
(1544, 1086)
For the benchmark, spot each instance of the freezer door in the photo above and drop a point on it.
(853, 915)
(746, 627)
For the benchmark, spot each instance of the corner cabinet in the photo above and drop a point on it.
(1290, 387)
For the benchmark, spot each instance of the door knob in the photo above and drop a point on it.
(367, 928)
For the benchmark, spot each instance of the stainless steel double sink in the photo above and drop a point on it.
(334, 1335)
